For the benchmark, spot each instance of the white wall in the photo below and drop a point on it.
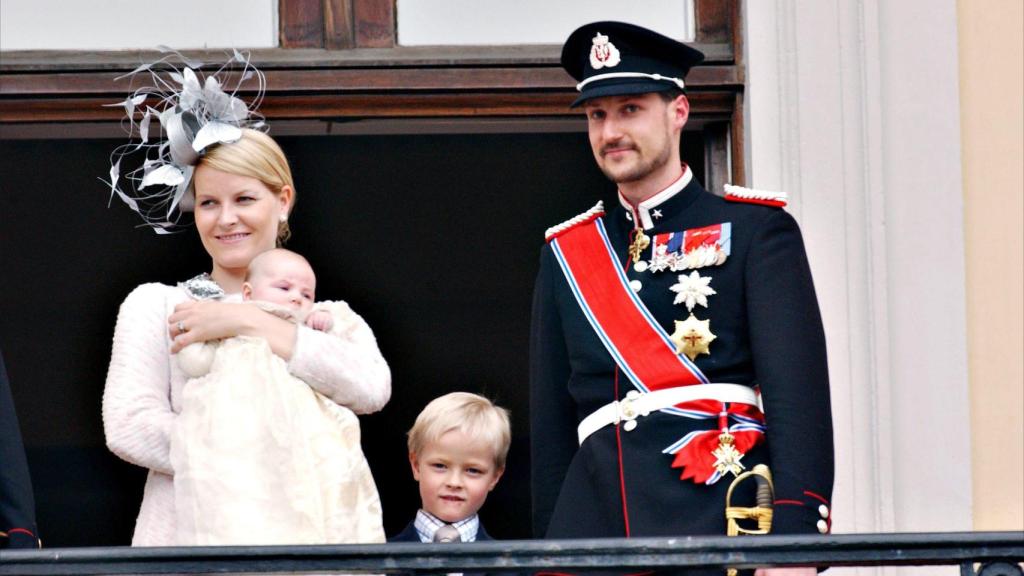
(138, 24)
(853, 108)
(502, 22)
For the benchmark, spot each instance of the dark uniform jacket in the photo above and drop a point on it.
(769, 333)
(17, 506)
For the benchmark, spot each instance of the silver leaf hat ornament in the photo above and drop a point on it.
(195, 110)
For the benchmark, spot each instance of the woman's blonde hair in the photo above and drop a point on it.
(255, 155)
(474, 415)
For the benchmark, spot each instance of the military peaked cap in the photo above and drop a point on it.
(616, 59)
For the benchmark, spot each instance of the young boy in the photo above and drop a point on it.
(457, 450)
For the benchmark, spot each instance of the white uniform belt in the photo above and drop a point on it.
(636, 404)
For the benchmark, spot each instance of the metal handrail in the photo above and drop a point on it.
(945, 548)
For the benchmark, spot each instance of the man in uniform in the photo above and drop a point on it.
(676, 339)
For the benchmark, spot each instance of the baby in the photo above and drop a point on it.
(282, 283)
(284, 278)
(259, 457)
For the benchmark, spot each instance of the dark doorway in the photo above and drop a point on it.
(432, 238)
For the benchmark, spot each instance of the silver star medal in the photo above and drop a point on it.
(692, 290)
(661, 259)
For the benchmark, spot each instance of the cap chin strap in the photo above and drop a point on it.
(677, 81)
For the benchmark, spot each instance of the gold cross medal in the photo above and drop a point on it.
(640, 243)
(727, 457)
(692, 337)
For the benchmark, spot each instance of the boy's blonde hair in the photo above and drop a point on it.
(473, 415)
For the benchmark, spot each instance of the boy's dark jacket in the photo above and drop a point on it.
(410, 534)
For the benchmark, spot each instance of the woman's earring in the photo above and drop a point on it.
(284, 217)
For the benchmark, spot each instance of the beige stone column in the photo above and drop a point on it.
(991, 34)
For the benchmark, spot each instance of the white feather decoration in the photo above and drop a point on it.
(168, 175)
(216, 133)
(195, 112)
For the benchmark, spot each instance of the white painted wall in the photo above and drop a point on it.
(503, 22)
(189, 24)
(853, 108)
(137, 24)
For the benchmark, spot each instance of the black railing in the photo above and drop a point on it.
(982, 553)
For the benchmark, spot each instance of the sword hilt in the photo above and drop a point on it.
(762, 512)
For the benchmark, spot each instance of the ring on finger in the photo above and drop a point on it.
(181, 327)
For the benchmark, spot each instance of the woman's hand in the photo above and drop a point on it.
(203, 320)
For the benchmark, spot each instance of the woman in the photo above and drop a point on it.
(243, 193)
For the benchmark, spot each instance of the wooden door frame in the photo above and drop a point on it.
(339, 60)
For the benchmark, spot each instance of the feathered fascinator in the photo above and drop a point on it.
(195, 110)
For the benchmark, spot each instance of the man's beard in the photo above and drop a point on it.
(641, 170)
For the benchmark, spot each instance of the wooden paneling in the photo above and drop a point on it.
(714, 105)
(362, 73)
(290, 80)
(529, 55)
(738, 39)
(715, 20)
(716, 157)
(338, 25)
(374, 23)
(737, 130)
(302, 23)
(40, 88)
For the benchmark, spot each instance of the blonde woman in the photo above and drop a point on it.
(242, 192)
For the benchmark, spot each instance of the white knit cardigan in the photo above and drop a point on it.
(143, 390)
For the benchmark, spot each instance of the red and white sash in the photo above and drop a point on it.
(636, 341)
(642, 349)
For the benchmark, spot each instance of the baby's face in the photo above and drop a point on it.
(284, 280)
